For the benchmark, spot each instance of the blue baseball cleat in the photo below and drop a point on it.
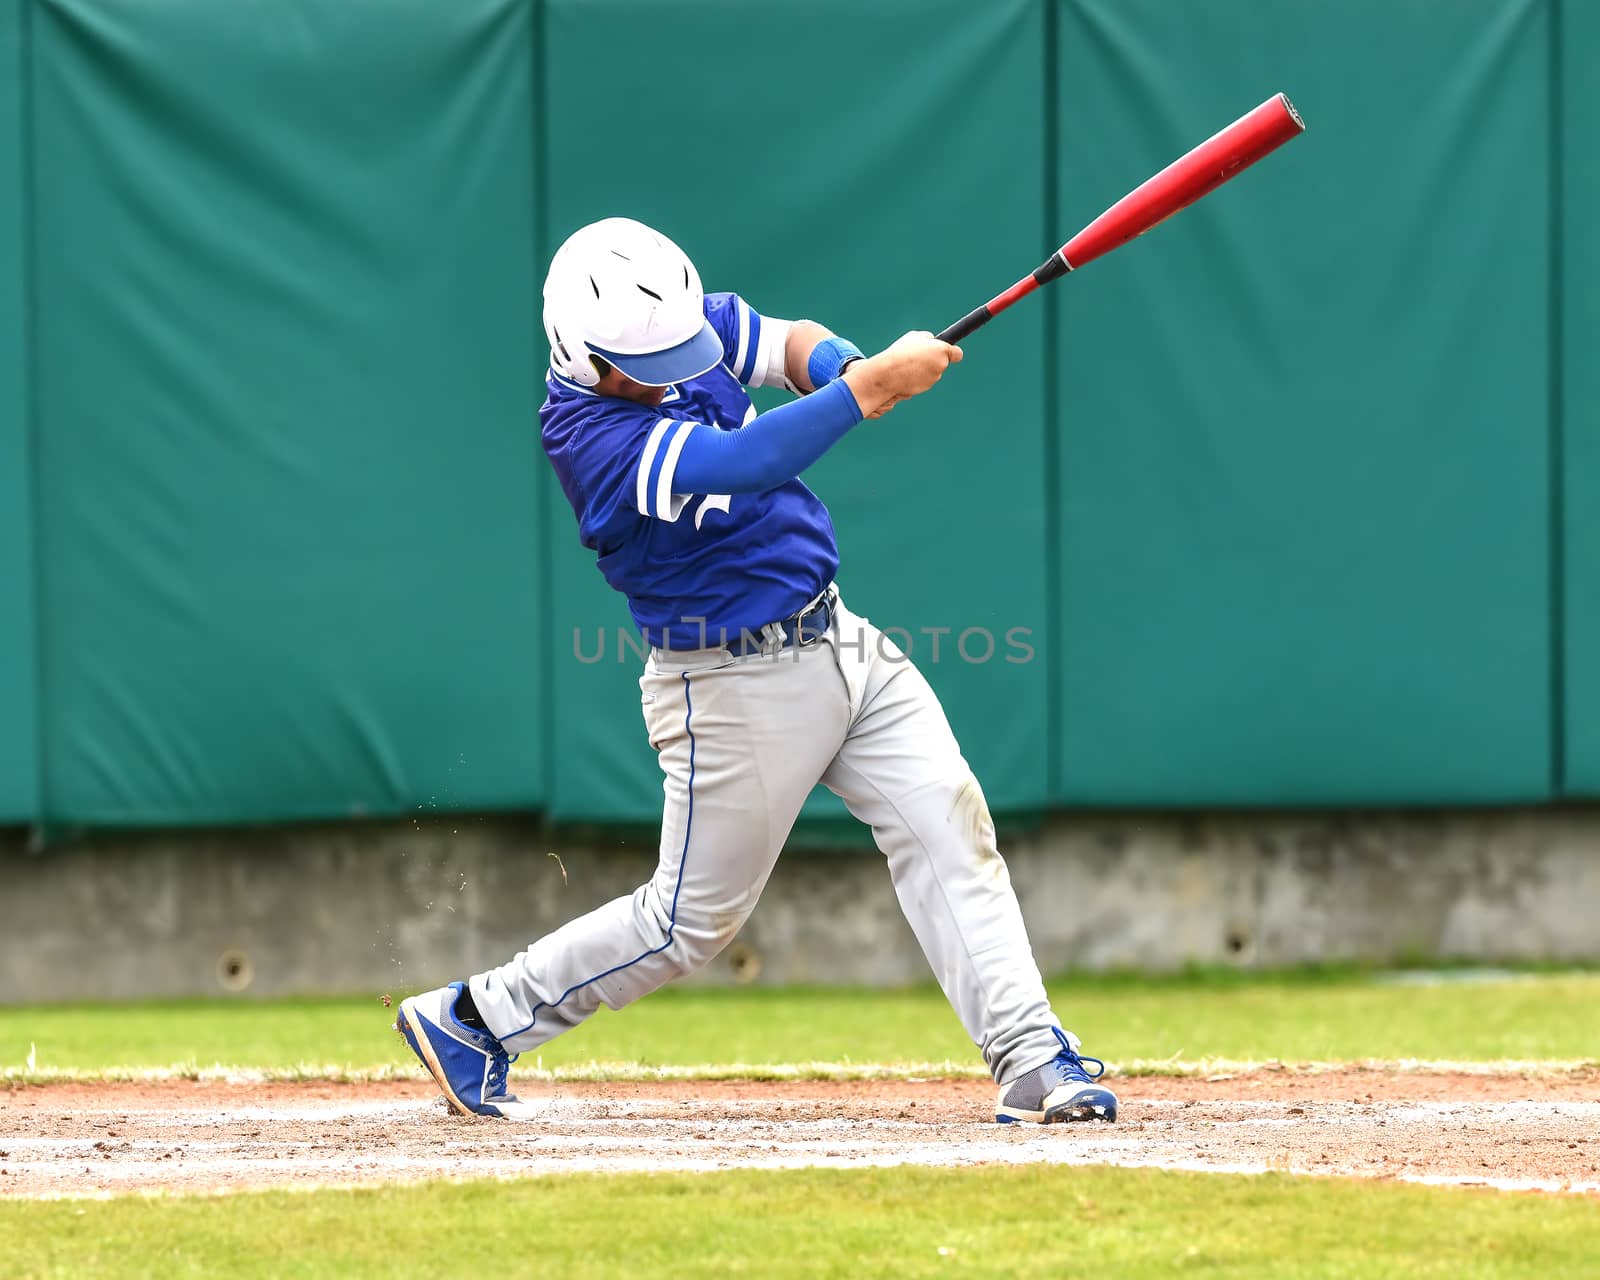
(1060, 1091)
(471, 1066)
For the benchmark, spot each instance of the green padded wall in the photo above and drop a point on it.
(898, 197)
(1277, 513)
(19, 781)
(1304, 457)
(286, 325)
(1579, 284)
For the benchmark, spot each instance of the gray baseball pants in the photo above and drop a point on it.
(741, 742)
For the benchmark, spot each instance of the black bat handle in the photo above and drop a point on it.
(974, 319)
(1052, 268)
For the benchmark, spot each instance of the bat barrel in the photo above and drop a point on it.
(1179, 185)
(1185, 180)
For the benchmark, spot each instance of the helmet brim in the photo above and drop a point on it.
(676, 364)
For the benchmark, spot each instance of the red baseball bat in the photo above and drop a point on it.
(1176, 187)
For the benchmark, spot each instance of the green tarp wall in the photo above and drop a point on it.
(1578, 478)
(1294, 500)
(285, 340)
(1305, 479)
(19, 731)
(940, 509)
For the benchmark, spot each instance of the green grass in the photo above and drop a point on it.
(1034, 1221)
(1292, 1017)
(990, 1221)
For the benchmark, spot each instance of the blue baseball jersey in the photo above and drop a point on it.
(736, 562)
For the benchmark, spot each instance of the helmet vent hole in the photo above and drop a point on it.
(623, 256)
(651, 292)
(594, 286)
(685, 275)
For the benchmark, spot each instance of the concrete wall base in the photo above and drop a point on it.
(397, 907)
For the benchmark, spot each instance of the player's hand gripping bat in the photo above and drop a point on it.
(1176, 187)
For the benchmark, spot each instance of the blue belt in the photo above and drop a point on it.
(802, 629)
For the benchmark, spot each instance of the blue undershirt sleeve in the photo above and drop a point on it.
(773, 449)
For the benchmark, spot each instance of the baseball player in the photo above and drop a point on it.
(760, 681)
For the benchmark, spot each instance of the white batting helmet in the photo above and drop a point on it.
(625, 293)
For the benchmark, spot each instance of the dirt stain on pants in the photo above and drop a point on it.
(972, 811)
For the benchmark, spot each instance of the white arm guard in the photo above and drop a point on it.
(771, 362)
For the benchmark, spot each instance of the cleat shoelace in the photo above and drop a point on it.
(1073, 1066)
(499, 1069)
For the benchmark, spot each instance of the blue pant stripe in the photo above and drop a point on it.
(672, 915)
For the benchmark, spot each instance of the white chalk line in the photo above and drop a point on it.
(838, 1156)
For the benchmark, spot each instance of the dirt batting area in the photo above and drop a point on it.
(1514, 1132)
